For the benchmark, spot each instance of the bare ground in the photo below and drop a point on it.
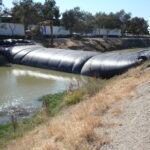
(132, 119)
(98, 44)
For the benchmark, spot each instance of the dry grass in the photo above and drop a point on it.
(118, 111)
(111, 124)
(75, 128)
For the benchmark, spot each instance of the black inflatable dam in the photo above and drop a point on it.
(72, 61)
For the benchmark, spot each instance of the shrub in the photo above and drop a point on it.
(74, 97)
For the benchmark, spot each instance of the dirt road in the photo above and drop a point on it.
(132, 117)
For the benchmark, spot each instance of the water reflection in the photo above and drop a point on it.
(17, 73)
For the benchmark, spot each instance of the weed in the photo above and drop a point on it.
(74, 97)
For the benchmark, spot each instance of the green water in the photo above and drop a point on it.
(21, 86)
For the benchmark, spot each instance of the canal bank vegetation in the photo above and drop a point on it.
(74, 126)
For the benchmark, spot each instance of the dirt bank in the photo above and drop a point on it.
(100, 44)
(132, 118)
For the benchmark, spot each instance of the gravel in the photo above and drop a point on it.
(133, 129)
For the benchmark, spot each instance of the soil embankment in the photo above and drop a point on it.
(132, 117)
(100, 44)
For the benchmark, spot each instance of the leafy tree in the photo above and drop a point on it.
(25, 12)
(71, 19)
(125, 19)
(78, 21)
(30, 12)
(99, 21)
(86, 23)
(50, 11)
(138, 26)
(108, 22)
(1, 5)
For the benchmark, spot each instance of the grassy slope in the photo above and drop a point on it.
(75, 127)
(7, 131)
(53, 105)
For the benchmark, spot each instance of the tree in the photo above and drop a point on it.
(1, 5)
(50, 12)
(99, 21)
(26, 12)
(108, 22)
(38, 12)
(86, 23)
(138, 26)
(71, 19)
(50, 24)
(78, 21)
(125, 19)
(12, 27)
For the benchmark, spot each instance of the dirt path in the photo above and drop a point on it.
(132, 131)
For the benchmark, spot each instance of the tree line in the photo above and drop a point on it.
(75, 20)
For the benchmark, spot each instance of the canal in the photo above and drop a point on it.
(22, 86)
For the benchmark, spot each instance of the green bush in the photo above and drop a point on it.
(93, 86)
(74, 97)
(52, 103)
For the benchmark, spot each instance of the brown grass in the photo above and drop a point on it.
(118, 111)
(75, 128)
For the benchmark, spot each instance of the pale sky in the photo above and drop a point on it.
(140, 8)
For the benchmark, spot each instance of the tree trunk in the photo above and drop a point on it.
(71, 32)
(107, 31)
(52, 37)
(12, 28)
(45, 30)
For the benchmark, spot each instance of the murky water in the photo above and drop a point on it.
(21, 86)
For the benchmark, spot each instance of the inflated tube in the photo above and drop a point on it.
(72, 61)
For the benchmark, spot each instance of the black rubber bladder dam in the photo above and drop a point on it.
(73, 61)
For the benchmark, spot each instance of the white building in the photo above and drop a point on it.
(57, 30)
(104, 32)
(12, 29)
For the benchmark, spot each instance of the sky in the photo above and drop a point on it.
(140, 8)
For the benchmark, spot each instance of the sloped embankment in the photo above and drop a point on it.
(102, 45)
(132, 120)
(77, 126)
